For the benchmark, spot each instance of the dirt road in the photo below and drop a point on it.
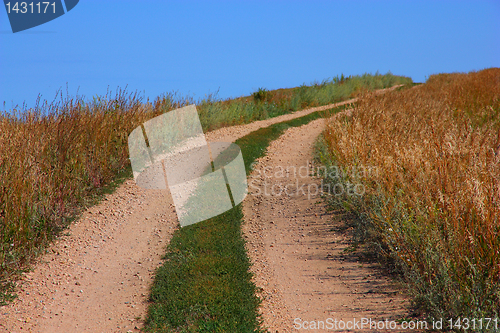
(298, 251)
(96, 277)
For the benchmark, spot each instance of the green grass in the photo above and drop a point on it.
(204, 284)
(264, 103)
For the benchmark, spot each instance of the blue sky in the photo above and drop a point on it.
(236, 47)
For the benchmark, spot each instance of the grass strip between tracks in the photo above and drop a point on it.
(204, 284)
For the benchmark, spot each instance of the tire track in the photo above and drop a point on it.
(96, 276)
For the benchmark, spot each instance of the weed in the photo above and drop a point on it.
(261, 95)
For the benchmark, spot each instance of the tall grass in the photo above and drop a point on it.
(264, 104)
(55, 158)
(433, 203)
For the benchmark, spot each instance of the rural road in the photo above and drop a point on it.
(297, 249)
(96, 276)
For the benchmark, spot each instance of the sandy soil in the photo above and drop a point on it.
(96, 276)
(297, 250)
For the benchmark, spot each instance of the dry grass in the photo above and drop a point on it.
(434, 204)
(54, 160)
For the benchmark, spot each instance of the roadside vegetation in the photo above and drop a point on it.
(264, 103)
(429, 159)
(60, 157)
